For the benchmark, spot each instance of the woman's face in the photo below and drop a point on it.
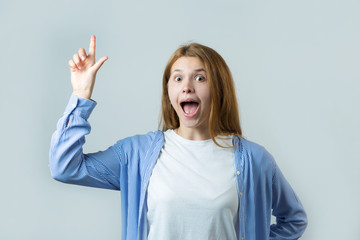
(189, 92)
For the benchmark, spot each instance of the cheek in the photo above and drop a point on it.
(205, 95)
(172, 96)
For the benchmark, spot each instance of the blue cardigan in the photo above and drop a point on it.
(127, 166)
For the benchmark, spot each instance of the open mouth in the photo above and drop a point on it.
(189, 107)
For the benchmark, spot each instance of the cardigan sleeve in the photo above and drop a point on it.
(291, 219)
(67, 161)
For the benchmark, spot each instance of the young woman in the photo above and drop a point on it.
(197, 178)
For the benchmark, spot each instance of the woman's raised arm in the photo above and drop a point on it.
(67, 161)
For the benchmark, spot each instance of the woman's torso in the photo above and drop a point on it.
(192, 191)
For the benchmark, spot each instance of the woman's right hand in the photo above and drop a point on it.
(83, 70)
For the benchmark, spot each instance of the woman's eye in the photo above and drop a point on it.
(199, 78)
(177, 79)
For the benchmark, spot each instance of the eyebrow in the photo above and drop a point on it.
(196, 70)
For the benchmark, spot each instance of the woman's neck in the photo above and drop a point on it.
(195, 134)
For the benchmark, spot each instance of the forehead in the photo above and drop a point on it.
(187, 64)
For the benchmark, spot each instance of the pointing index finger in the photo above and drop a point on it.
(92, 45)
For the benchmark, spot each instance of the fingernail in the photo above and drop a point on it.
(82, 58)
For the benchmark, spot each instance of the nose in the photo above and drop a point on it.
(187, 86)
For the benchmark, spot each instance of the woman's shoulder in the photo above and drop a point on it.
(255, 150)
(139, 142)
(249, 145)
(142, 139)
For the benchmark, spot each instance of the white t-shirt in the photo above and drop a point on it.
(192, 191)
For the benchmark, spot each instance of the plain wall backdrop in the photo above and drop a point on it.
(296, 70)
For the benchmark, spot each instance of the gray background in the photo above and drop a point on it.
(296, 70)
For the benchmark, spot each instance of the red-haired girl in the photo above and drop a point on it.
(197, 178)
